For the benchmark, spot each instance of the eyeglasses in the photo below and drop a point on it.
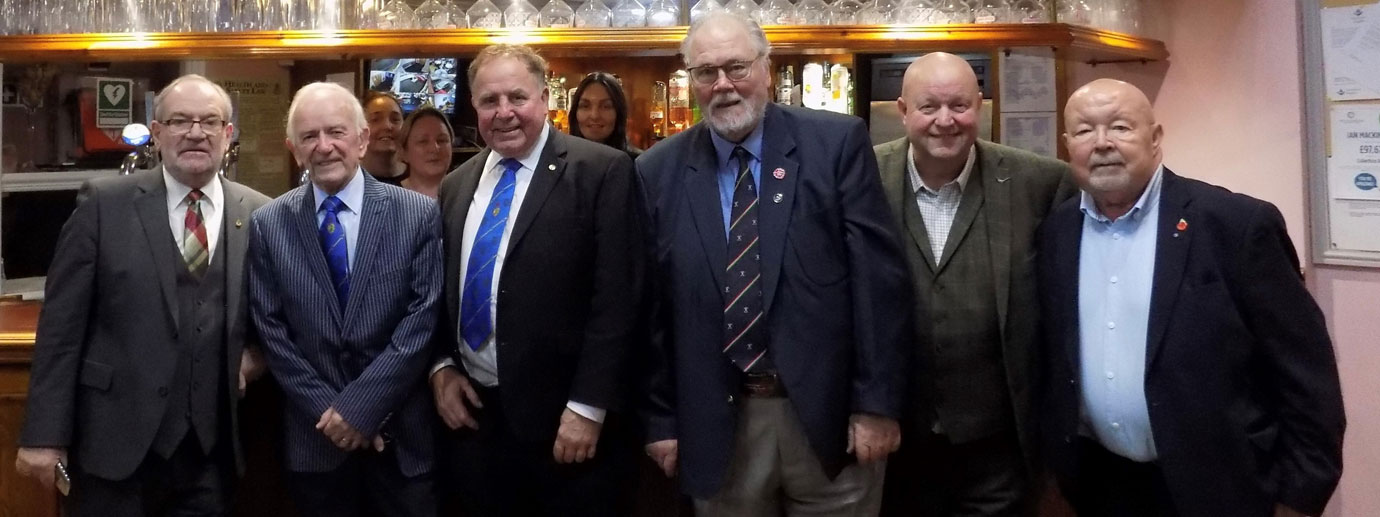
(735, 70)
(181, 126)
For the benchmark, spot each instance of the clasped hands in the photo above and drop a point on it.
(576, 438)
(342, 434)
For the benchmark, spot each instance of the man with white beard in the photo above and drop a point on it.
(782, 316)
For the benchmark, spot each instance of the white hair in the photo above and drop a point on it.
(326, 88)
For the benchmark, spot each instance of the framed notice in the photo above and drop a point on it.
(1341, 42)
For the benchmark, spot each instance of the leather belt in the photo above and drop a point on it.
(763, 385)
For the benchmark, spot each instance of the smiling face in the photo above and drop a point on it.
(326, 137)
(427, 148)
(511, 103)
(596, 115)
(1113, 140)
(385, 119)
(193, 157)
(731, 108)
(939, 105)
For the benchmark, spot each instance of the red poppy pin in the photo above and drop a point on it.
(779, 173)
(1183, 225)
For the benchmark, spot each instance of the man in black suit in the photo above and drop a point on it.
(1187, 369)
(543, 273)
(969, 209)
(141, 353)
(784, 318)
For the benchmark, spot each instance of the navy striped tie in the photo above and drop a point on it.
(744, 337)
(476, 316)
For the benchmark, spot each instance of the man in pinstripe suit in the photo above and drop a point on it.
(345, 274)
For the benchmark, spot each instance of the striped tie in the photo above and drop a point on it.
(195, 247)
(476, 299)
(336, 248)
(744, 335)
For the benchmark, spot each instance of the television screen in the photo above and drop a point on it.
(416, 82)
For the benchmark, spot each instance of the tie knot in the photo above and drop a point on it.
(510, 165)
(741, 154)
(194, 196)
(333, 205)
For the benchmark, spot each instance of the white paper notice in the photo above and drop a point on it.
(1352, 172)
(1027, 80)
(1355, 225)
(1348, 78)
(1034, 132)
(1363, 49)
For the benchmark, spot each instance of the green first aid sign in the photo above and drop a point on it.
(114, 102)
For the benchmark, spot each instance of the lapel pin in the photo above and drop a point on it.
(238, 223)
(778, 197)
(779, 173)
(550, 166)
(1183, 225)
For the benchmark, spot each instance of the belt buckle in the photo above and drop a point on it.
(764, 384)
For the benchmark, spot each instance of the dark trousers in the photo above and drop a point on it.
(1113, 486)
(492, 473)
(369, 483)
(930, 476)
(189, 483)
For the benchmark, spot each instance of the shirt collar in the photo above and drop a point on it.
(177, 192)
(530, 160)
(916, 183)
(724, 149)
(352, 195)
(1149, 198)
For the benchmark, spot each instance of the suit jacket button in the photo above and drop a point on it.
(1068, 438)
(162, 391)
(1073, 382)
(731, 400)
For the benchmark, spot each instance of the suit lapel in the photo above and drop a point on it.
(549, 170)
(915, 228)
(303, 215)
(971, 200)
(375, 219)
(775, 199)
(1066, 252)
(992, 174)
(233, 238)
(151, 202)
(896, 181)
(456, 210)
(702, 187)
(1171, 255)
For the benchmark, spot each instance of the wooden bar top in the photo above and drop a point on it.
(18, 322)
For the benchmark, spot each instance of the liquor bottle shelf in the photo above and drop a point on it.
(1083, 44)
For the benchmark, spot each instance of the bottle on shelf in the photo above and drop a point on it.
(485, 15)
(658, 112)
(1031, 11)
(1074, 12)
(812, 88)
(557, 14)
(557, 102)
(776, 12)
(879, 12)
(992, 11)
(840, 81)
(844, 12)
(396, 15)
(521, 13)
(812, 12)
(954, 11)
(456, 10)
(785, 85)
(678, 100)
(593, 14)
(433, 14)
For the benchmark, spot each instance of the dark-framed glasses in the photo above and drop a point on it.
(180, 126)
(734, 70)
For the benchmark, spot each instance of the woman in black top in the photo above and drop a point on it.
(599, 112)
(384, 114)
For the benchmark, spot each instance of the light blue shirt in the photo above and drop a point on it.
(1116, 270)
(353, 196)
(728, 168)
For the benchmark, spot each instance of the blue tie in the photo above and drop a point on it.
(333, 243)
(476, 317)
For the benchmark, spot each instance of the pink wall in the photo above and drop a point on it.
(1230, 101)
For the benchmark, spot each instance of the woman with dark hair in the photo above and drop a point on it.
(425, 149)
(599, 112)
(384, 115)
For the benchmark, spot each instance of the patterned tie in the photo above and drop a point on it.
(476, 317)
(195, 247)
(744, 341)
(336, 248)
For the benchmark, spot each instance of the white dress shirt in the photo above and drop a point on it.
(482, 364)
(939, 208)
(212, 211)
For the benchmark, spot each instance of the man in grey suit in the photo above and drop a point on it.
(138, 365)
(344, 277)
(969, 210)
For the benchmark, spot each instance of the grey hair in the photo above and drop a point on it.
(715, 18)
(533, 62)
(167, 90)
(346, 96)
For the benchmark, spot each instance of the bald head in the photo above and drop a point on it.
(1113, 142)
(940, 105)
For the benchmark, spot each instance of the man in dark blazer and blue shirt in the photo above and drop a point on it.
(345, 274)
(143, 348)
(543, 281)
(784, 301)
(1188, 371)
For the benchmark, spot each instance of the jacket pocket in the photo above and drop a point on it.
(96, 375)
